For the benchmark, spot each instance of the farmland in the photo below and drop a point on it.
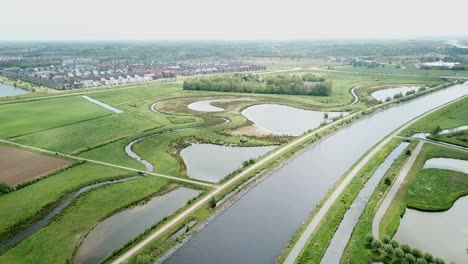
(19, 166)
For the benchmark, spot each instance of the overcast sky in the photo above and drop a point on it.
(235, 19)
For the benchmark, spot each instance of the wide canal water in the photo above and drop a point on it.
(258, 226)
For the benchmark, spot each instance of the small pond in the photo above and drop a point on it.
(8, 90)
(209, 162)
(286, 120)
(447, 164)
(118, 229)
(382, 95)
(443, 234)
(206, 106)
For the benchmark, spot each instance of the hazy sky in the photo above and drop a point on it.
(235, 19)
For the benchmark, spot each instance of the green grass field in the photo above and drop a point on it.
(25, 118)
(453, 115)
(61, 236)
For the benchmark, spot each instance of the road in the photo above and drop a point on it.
(393, 191)
(303, 239)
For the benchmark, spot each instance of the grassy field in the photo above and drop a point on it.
(56, 242)
(25, 118)
(427, 189)
(453, 115)
(25, 205)
(408, 70)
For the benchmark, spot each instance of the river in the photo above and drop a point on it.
(258, 226)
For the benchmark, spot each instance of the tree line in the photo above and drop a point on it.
(307, 84)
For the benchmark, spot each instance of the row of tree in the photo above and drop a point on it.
(403, 253)
(248, 83)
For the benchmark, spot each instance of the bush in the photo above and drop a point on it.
(143, 259)
(428, 257)
(369, 239)
(387, 181)
(386, 239)
(421, 261)
(395, 244)
(416, 252)
(439, 261)
(399, 253)
(212, 202)
(410, 258)
(5, 188)
(406, 248)
(408, 152)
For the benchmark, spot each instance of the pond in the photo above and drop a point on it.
(206, 106)
(447, 164)
(268, 215)
(382, 95)
(443, 234)
(209, 162)
(118, 229)
(8, 90)
(286, 120)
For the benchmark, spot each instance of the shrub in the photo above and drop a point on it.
(395, 244)
(376, 245)
(408, 152)
(369, 239)
(5, 188)
(212, 202)
(421, 261)
(410, 258)
(406, 248)
(386, 239)
(387, 181)
(416, 252)
(439, 261)
(143, 259)
(428, 257)
(399, 253)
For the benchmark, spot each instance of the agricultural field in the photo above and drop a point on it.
(19, 165)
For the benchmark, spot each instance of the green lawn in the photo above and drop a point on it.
(25, 118)
(25, 203)
(56, 242)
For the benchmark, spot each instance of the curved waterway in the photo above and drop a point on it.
(57, 210)
(260, 224)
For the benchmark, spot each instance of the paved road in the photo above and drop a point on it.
(393, 191)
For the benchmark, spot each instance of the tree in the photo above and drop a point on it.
(376, 245)
(395, 244)
(406, 248)
(5, 188)
(436, 130)
(369, 239)
(428, 257)
(399, 253)
(410, 258)
(387, 181)
(439, 261)
(416, 252)
(143, 259)
(386, 239)
(389, 249)
(421, 261)
(212, 202)
(408, 152)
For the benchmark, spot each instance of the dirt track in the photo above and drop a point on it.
(17, 166)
